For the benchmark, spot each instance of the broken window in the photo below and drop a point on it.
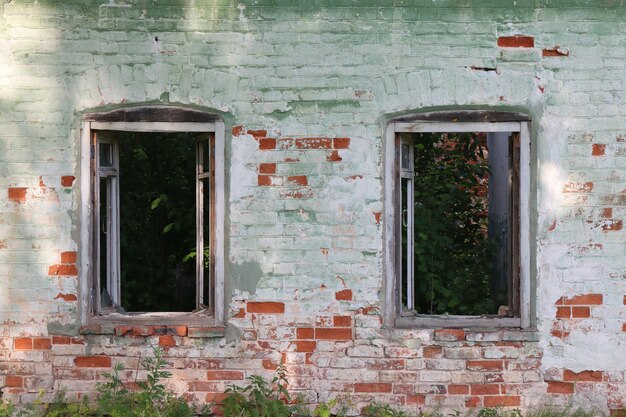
(457, 214)
(157, 234)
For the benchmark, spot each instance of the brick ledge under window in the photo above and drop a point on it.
(193, 331)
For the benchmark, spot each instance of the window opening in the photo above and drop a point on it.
(155, 240)
(458, 193)
(456, 220)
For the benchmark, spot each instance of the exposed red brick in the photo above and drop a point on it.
(484, 365)
(223, 375)
(269, 364)
(61, 340)
(607, 212)
(458, 389)
(267, 168)
(17, 194)
(485, 389)
(341, 143)
(563, 312)
(553, 52)
(298, 180)
(241, 313)
(265, 180)
(588, 376)
(67, 180)
(516, 41)
(167, 341)
(377, 216)
(22, 343)
(258, 134)
(238, 130)
(559, 333)
(415, 399)
(558, 387)
(581, 312)
(598, 149)
(265, 307)
(292, 160)
(449, 334)
(334, 157)
(305, 333)
(342, 321)
(267, 144)
(177, 330)
(41, 343)
(432, 351)
(578, 187)
(333, 334)
(92, 362)
(68, 257)
(581, 299)
(343, 295)
(304, 345)
(66, 297)
(624, 327)
(502, 401)
(63, 270)
(372, 387)
(13, 381)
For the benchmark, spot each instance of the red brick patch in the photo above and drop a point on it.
(267, 144)
(92, 362)
(67, 180)
(17, 194)
(267, 168)
(341, 143)
(589, 376)
(343, 295)
(557, 387)
(598, 149)
(554, 52)
(22, 343)
(516, 41)
(581, 299)
(13, 381)
(333, 334)
(502, 401)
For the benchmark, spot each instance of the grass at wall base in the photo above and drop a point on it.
(259, 398)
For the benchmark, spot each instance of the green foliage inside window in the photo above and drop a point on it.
(157, 221)
(453, 252)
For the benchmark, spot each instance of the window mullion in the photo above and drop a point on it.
(113, 235)
(199, 224)
(407, 174)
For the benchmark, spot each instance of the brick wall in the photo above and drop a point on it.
(304, 89)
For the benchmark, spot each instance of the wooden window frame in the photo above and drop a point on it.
(89, 183)
(447, 122)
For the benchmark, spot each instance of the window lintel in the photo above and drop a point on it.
(464, 116)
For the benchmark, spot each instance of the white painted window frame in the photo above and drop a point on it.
(89, 294)
(392, 315)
